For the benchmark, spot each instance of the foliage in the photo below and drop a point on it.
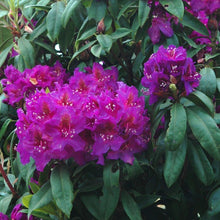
(164, 161)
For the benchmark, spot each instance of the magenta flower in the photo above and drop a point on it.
(3, 216)
(17, 215)
(160, 24)
(169, 69)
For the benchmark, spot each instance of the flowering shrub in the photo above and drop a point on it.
(109, 109)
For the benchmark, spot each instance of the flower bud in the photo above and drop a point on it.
(172, 87)
(101, 26)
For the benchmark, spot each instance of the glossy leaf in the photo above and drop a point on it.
(208, 81)
(205, 130)
(214, 201)
(62, 189)
(105, 41)
(87, 33)
(38, 31)
(40, 198)
(130, 206)
(120, 32)
(190, 21)
(97, 10)
(199, 98)
(177, 127)
(174, 7)
(4, 203)
(27, 52)
(69, 9)
(174, 163)
(201, 164)
(218, 84)
(4, 128)
(85, 47)
(4, 54)
(6, 38)
(143, 12)
(54, 20)
(96, 50)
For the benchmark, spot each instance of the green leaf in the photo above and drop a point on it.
(4, 54)
(124, 8)
(208, 81)
(210, 56)
(201, 164)
(191, 21)
(87, 33)
(113, 7)
(6, 38)
(217, 118)
(214, 201)
(102, 208)
(85, 47)
(97, 10)
(41, 198)
(96, 50)
(174, 163)
(62, 189)
(4, 128)
(4, 203)
(205, 130)
(174, 7)
(218, 84)
(143, 12)
(69, 10)
(46, 46)
(192, 52)
(130, 206)
(27, 52)
(199, 98)
(3, 13)
(177, 127)
(120, 32)
(38, 31)
(54, 20)
(105, 41)
(146, 200)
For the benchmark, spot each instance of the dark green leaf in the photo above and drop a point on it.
(6, 38)
(96, 50)
(27, 52)
(205, 130)
(4, 128)
(120, 32)
(144, 201)
(113, 7)
(85, 47)
(70, 8)
(202, 100)
(208, 81)
(210, 56)
(4, 203)
(105, 41)
(191, 21)
(124, 8)
(177, 127)
(4, 54)
(54, 20)
(218, 84)
(174, 7)
(38, 31)
(201, 164)
(174, 163)
(87, 33)
(46, 46)
(143, 12)
(97, 10)
(130, 206)
(217, 118)
(214, 201)
(192, 52)
(41, 198)
(62, 189)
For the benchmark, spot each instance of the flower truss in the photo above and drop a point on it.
(91, 117)
(169, 73)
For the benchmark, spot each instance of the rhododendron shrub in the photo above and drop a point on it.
(109, 109)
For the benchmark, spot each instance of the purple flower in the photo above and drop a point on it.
(169, 67)
(209, 5)
(17, 215)
(3, 216)
(160, 23)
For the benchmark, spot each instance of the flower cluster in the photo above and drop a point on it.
(19, 85)
(91, 117)
(169, 73)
